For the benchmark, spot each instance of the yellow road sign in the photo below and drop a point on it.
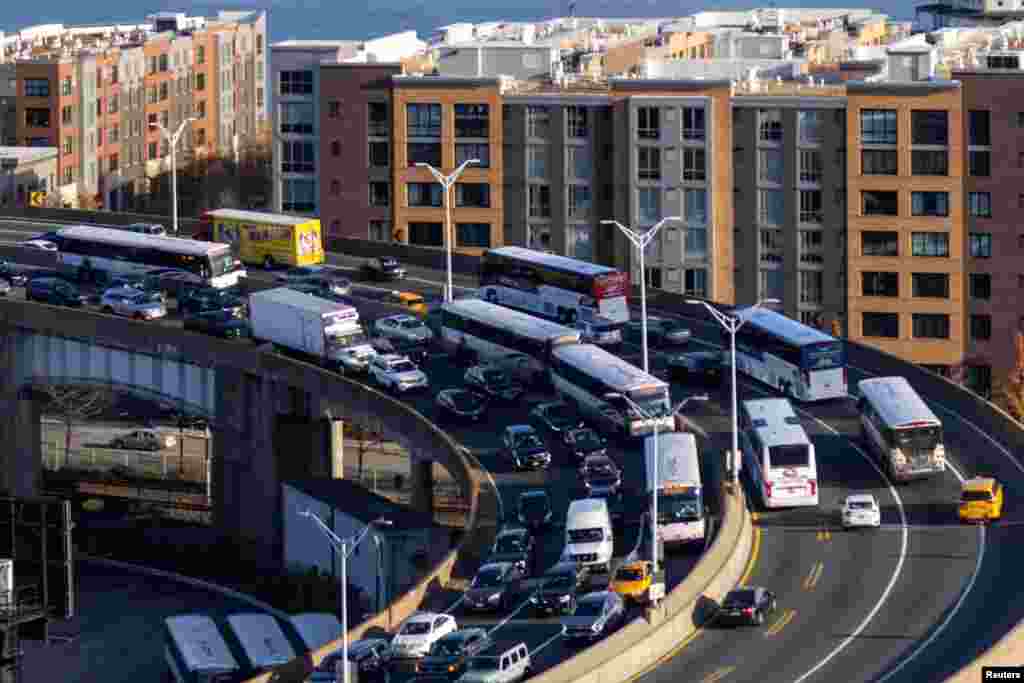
(37, 198)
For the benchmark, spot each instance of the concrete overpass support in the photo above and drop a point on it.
(422, 482)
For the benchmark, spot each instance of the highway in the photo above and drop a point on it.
(911, 601)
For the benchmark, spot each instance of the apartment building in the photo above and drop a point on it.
(99, 93)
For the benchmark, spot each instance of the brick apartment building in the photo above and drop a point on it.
(94, 92)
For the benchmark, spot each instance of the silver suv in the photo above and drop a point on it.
(508, 665)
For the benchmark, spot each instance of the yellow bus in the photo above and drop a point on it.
(266, 239)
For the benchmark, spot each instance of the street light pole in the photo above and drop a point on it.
(654, 475)
(732, 325)
(447, 182)
(172, 142)
(345, 546)
(640, 240)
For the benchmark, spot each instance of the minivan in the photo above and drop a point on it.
(589, 540)
(53, 290)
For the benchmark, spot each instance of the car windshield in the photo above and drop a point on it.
(488, 578)
(586, 535)
(587, 440)
(447, 648)
(482, 664)
(411, 324)
(508, 544)
(861, 505)
(528, 440)
(388, 263)
(496, 378)
(740, 598)
(589, 608)
(976, 496)
(415, 628)
(629, 574)
(403, 366)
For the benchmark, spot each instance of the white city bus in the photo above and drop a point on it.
(901, 428)
(493, 332)
(798, 360)
(584, 375)
(556, 287)
(196, 651)
(679, 487)
(84, 250)
(782, 462)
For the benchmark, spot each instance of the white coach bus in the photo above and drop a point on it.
(783, 468)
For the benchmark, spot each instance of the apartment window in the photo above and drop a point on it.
(200, 54)
(696, 243)
(929, 162)
(423, 120)
(66, 86)
(770, 166)
(114, 134)
(426, 234)
(878, 127)
(930, 285)
(66, 114)
(200, 81)
(333, 109)
(69, 145)
(377, 116)
(886, 325)
(695, 282)
(295, 83)
(647, 123)
(772, 283)
(380, 154)
(576, 122)
(879, 243)
(930, 244)
(979, 163)
(162, 62)
(580, 162)
(981, 327)
(473, 235)
(876, 203)
(472, 120)
(113, 161)
(979, 128)
(931, 326)
(480, 151)
(540, 201)
(538, 121)
(929, 203)
(929, 127)
(335, 188)
(69, 175)
(695, 164)
(981, 286)
(152, 94)
(537, 161)
(810, 283)
(113, 104)
(473, 194)
(424, 194)
(810, 206)
(694, 126)
(152, 150)
(811, 166)
(335, 148)
(770, 240)
(771, 209)
(695, 206)
(164, 93)
(380, 231)
(876, 283)
(810, 240)
(578, 242)
(579, 201)
(424, 153)
(380, 194)
(37, 118)
(37, 87)
(649, 204)
(810, 126)
(648, 163)
(769, 125)
(200, 137)
(299, 195)
(980, 204)
(297, 157)
(981, 244)
(99, 137)
(165, 119)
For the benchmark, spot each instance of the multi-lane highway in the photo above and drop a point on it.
(913, 600)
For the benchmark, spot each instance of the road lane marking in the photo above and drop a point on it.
(777, 627)
(718, 675)
(824, 535)
(455, 605)
(812, 577)
(754, 551)
(543, 645)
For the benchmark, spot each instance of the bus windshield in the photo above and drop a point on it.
(653, 401)
(791, 455)
(824, 356)
(918, 438)
(679, 507)
(222, 262)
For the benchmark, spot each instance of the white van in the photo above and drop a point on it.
(588, 534)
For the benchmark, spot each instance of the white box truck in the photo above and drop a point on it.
(326, 331)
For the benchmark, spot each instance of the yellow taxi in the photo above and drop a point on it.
(410, 300)
(632, 581)
(981, 499)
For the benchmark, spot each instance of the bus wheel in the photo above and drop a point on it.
(268, 262)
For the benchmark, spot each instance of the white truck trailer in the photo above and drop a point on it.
(326, 331)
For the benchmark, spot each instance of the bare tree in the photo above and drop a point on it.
(74, 404)
(1009, 395)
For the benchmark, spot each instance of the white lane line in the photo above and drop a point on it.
(455, 605)
(545, 644)
(513, 613)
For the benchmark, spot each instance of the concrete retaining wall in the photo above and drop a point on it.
(642, 643)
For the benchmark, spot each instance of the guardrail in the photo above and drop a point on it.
(645, 641)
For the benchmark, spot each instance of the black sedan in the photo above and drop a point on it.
(449, 655)
(211, 299)
(461, 404)
(494, 382)
(534, 509)
(584, 442)
(369, 655)
(383, 268)
(524, 449)
(495, 587)
(556, 418)
(13, 273)
(218, 323)
(559, 587)
(515, 545)
(747, 605)
(704, 366)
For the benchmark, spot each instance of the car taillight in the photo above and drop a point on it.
(748, 610)
(814, 487)
(768, 488)
(844, 376)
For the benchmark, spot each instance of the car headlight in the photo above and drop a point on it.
(596, 628)
(534, 600)
(494, 598)
(564, 598)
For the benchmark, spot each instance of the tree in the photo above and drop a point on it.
(74, 404)
(1009, 395)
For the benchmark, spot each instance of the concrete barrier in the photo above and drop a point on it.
(644, 642)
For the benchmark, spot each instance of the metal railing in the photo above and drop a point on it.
(169, 465)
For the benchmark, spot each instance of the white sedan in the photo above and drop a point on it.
(397, 373)
(860, 510)
(419, 633)
(39, 245)
(403, 328)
